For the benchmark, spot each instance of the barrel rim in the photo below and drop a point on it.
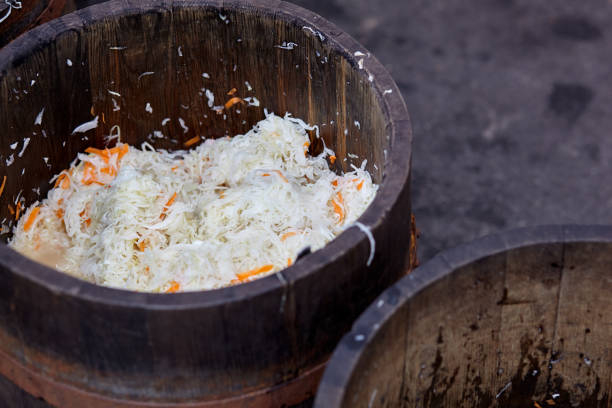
(350, 350)
(396, 176)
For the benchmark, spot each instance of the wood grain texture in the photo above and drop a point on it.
(244, 345)
(25, 15)
(521, 319)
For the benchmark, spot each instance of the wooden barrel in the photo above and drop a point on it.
(264, 343)
(521, 319)
(18, 16)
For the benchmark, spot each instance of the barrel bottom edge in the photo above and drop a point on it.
(30, 389)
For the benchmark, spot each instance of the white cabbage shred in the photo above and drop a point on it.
(227, 211)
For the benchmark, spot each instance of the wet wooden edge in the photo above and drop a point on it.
(66, 396)
(346, 356)
(395, 180)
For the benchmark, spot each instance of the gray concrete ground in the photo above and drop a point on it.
(511, 103)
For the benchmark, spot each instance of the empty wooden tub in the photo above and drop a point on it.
(521, 319)
(263, 343)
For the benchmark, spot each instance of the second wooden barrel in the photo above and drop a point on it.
(521, 319)
(149, 67)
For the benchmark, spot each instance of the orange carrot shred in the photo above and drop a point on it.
(231, 102)
(82, 214)
(60, 201)
(168, 204)
(11, 209)
(277, 172)
(99, 152)
(281, 175)
(171, 200)
(31, 218)
(89, 173)
(338, 207)
(192, 141)
(289, 262)
(62, 180)
(174, 168)
(2, 186)
(123, 150)
(332, 159)
(245, 275)
(111, 171)
(104, 154)
(17, 210)
(335, 183)
(65, 183)
(89, 176)
(59, 213)
(287, 235)
(142, 245)
(174, 287)
(232, 91)
(360, 185)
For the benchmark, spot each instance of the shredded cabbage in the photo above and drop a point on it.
(227, 211)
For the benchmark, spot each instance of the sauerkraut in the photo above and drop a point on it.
(226, 211)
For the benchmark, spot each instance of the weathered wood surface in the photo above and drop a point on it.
(16, 17)
(520, 319)
(263, 343)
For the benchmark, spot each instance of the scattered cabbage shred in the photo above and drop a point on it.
(227, 211)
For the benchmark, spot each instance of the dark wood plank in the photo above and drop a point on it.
(18, 17)
(451, 339)
(583, 330)
(528, 315)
